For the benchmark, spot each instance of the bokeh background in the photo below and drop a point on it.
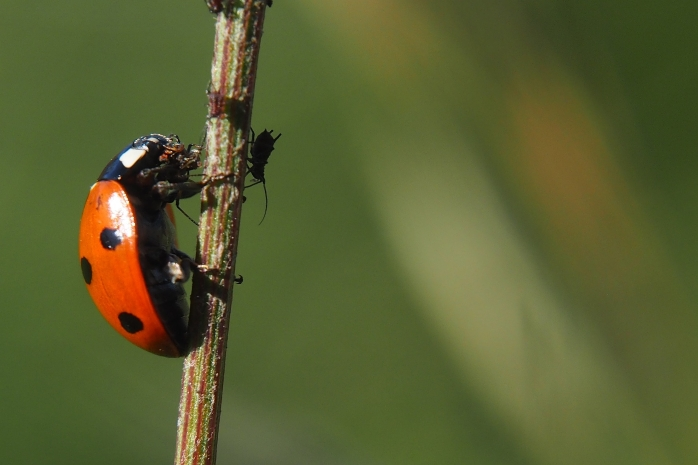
(481, 244)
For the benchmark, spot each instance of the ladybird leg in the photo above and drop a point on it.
(146, 177)
(206, 180)
(206, 269)
(186, 263)
(177, 270)
(184, 257)
(169, 192)
(163, 266)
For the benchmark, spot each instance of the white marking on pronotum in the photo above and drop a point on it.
(131, 156)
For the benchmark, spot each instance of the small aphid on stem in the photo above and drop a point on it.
(260, 152)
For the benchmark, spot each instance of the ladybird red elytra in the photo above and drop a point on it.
(128, 251)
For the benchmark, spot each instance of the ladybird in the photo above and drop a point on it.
(128, 250)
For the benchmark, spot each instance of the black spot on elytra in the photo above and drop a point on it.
(86, 270)
(130, 322)
(110, 238)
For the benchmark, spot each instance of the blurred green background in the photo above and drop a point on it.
(480, 247)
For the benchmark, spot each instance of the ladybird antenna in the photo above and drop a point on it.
(185, 213)
(266, 201)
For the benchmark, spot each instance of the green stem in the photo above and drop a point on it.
(233, 72)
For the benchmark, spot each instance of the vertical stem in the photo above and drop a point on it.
(233, 72)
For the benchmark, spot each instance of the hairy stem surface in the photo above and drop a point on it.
(233, 73)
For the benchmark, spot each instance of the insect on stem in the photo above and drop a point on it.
(262, 147)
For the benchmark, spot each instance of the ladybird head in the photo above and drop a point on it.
(184, 159)
(170, 151)
(153, 157)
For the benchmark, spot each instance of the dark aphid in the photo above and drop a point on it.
(260, 152)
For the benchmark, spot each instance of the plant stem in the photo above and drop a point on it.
(233, 72)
